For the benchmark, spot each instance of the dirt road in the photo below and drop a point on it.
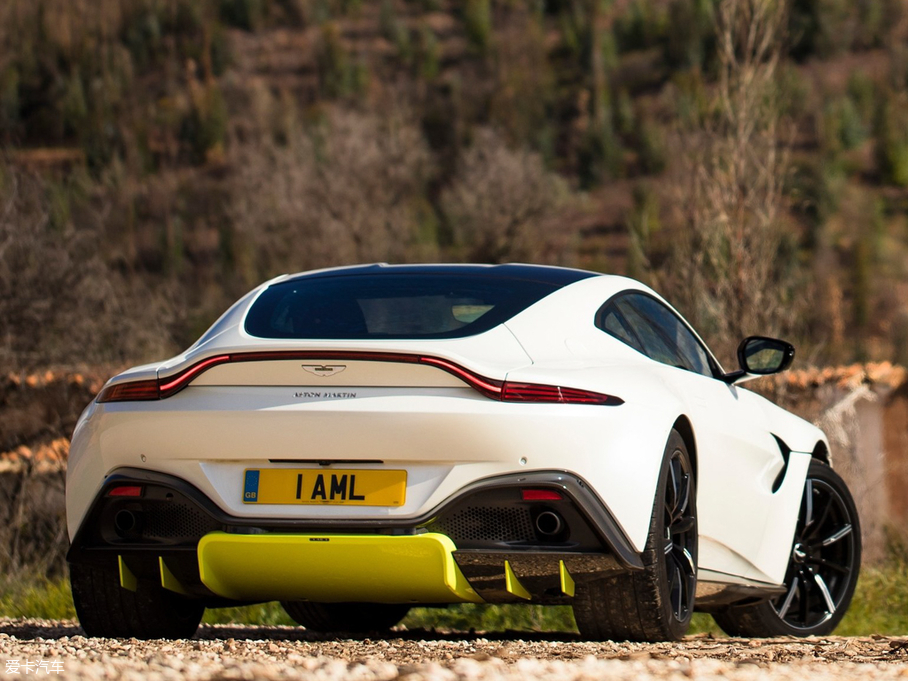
(45, 648)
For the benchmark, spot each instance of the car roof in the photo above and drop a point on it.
(558, 276)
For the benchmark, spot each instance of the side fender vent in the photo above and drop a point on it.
(786, 455)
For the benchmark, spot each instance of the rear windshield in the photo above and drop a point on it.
(405, 306)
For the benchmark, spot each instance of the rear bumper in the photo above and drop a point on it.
(460, 552)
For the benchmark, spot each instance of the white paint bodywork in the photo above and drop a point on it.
(446, 435)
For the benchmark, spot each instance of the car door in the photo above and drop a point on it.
(738, 459)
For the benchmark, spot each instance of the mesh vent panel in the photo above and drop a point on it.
(176, 520)
(487, 524)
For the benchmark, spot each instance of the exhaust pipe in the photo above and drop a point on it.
(125, 523)
(549, 524)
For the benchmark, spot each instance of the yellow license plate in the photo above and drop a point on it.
(308, 486)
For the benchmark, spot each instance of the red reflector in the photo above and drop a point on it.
(541, 495)
(125, 491)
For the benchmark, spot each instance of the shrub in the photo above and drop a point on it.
(814, 190)
(862, 91)
(339, 76)
(643, 25)
(892, 139)
(821, 27)
(347, 190)
(394, 30)
(624, 115)
(60, 303)
(651, 146)
(503, 205)
(691, 38)
(245, 14)
(9, 98)
(793, 92)
(428, 54)
(523, 101)
(599, 153)
(842, 125)
(642, 223)
(477, 16)
(205, 128)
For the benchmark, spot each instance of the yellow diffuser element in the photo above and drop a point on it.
(513, 584)
(168, 581)
(127, 579)
(333, 568)
(567, 582)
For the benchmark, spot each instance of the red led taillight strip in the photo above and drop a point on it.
(534, 392)
(497, 390)
(174, 384)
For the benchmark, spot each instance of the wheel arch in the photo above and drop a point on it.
(686, 430)
(821, 452)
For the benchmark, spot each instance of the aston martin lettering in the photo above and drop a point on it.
(319, 395)
(362, 487)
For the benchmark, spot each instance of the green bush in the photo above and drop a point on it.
(245, 14)
(642, 223)
(821, 27)
(477, 16)
(624, 114)
(691, 102)
(394, 30)
(599, 153)
(645, 24)
(339, 76)
(651, 146)
(842, 125)
(205, 128)
(9, 97)
(793, 92)
(892, 139)
(862, 91)
(814, 189)
(692, 35)
(428, 54)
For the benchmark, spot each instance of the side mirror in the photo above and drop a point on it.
(761, 356)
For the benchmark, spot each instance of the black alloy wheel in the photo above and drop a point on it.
(657, 602)
(680, 540)
(823, 567)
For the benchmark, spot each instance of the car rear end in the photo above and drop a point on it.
(350, 437)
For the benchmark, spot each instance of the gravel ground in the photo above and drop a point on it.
(245, 652)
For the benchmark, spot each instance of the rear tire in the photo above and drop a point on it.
(656, 603)
(358, 618)
(822, 570)
(105, 609)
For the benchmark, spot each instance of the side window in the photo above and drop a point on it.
(613, 323)
(651, 328)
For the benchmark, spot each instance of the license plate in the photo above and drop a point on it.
(308, 486)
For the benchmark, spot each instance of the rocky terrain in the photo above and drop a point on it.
(58, 648)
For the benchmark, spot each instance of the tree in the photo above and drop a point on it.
(734, 269)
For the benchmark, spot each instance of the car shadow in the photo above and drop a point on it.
(51, 630)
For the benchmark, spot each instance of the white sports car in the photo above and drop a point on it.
(356, 441)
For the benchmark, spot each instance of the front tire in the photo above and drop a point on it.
(656, 603)
(107, 610)
(822, 570)
(357, 618)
